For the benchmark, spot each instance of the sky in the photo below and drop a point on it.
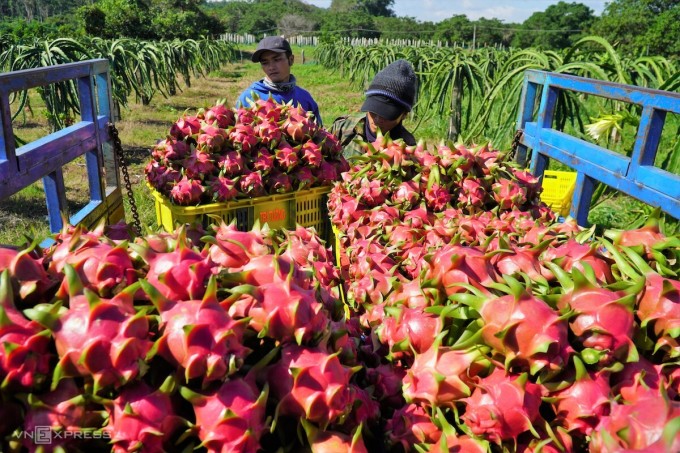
(508, 11)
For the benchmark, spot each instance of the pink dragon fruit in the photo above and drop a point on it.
(508, 193)
(411, 425)
(231, 418)
(279, 183)
(303, 178)
(251, 184)
(330, 146)
(266, 109)
(27, 275)
(64, 411)
(243, 137)
(328, 441)
(233, 249)
(219, 115)
(187, 192)
(100, 264)
(372, 192)
(232, 163)
(603, 320)
(199, 335)
(311, 154)
(186, 126)
(386, 380)
(170, 150)
(442, 375)
(299, 125)
(311, 383)
(287, 156)
(263, 162)
(523, 329)
(503, 406)
(269, 133)
(211, 139)
(104, 339)
(643, 425)
(326, 174)
(406, 195)
(580, 406)
(407, 331)
(24, 355)
(223, 189)
(285, 311)
(143, 418)
(198, 164)
(472, 193)
(179, 274)
(437, 197)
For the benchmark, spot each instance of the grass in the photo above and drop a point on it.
(141, 126)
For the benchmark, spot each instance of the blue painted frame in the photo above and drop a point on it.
(44, 158)
(635, 176)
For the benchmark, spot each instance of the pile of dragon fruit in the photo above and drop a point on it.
(221, 154)
(498, 329)
(459, 317)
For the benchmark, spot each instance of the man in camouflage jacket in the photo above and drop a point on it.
(389, 98)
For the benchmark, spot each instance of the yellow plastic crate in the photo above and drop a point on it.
(558, 188)
(306, 207)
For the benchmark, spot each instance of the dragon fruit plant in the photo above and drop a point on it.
(222, 154)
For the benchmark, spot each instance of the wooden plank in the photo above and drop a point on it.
(55, 195)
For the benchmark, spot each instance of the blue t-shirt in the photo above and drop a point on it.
(298, 95)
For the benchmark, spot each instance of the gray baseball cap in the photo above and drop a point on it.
(273, 44)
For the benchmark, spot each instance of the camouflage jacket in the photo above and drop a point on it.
(349, 129)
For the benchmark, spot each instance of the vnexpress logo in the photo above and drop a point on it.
(42, 435)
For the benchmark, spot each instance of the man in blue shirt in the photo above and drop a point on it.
(276, 57)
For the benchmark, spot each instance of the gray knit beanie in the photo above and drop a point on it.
(398, 82)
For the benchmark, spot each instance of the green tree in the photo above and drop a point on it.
(558, 27)
(455, 29)
(641, 26)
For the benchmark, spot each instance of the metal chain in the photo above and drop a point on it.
(515, 143)
(122, 160)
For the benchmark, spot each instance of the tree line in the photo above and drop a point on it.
(636, 27)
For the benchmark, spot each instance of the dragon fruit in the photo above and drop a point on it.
(411, 425)
(442, 375)
(286, 156)
(233, 163)
(328, 441)
(268, 132)
(311, 383)
(198, 164)
(219, 115)
(311, 154)
(143, 418)
(103, 339)
(580, 406)
(232, 249)
(231, 418)
(263, 162)
(187, 192)
(199, 335)
(502, 406)
(24, 354)
(211, 139)
(279, 182)
(65, 411)
(27, 274)
(223, 189)
(243, 137)
(299, 125)
(252, 184)
(406, 195)
(185, 126)
(179, 274)
(169, 150)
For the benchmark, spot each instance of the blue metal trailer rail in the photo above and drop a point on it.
(636, 176)
(44, 158)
